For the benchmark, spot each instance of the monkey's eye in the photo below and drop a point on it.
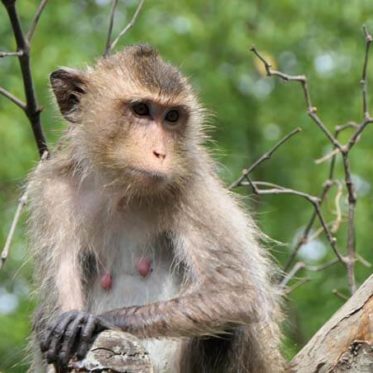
(141, 109)
(172, 116)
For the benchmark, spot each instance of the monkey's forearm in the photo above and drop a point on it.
(196, 314)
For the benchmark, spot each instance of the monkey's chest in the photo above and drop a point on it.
(133, 273)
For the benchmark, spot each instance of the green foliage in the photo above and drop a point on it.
(210, 42)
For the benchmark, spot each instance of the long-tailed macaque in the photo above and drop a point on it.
(132, 229)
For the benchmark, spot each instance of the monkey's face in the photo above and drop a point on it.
(134, 118)
(140, 143)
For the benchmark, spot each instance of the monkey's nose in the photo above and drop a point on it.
(159, 155)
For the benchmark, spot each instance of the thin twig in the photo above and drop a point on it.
(364, 80)
(338, 212)
(264, 157)
(296, 268)
(5, 253)
(327, 156)
(341, 127)
(129, 26)
(351, 232)
(324, 266)
(311, 110)
(364, 92)
(297, 285)
(338, 294)
(10, 54)
(315, 201)
(363, 261)
(21, 204)
(110, 30)
(35, 20)
(13, 98)
(324, 192)
(301, 265)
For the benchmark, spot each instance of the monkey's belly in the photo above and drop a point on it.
(132, 290)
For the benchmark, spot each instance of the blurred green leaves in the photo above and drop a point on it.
(210, 40)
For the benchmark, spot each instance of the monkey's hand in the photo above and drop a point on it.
(71, 334)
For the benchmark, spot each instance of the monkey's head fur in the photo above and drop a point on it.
(133, 118)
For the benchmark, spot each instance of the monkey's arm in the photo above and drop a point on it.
(55, 248)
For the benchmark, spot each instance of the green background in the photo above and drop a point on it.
(210, 41)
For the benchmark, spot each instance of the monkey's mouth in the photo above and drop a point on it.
(148, 175)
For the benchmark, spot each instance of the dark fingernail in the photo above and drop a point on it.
(63, 359)
(51, 358)
(81, 353)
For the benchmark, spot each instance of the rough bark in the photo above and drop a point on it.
(115, 352)
(345, 342)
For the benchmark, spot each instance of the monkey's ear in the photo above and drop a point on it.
(68, 86)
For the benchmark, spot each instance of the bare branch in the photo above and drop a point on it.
(301, 265)
(110, 30)
(323, 266)
(338, 294)
(10, 54)
(5, 253)
(32, 109)
(326, 157)
(297, 285)
(13, 98)
(264, 157)
(338, 212)
(277, 189)
(21, 204)
(364, 80)
(342, 127)
(364, 91)
(363, 261)
(35, 20)
(297, 267)
(324, 192)
(311, 110)
(129, 26)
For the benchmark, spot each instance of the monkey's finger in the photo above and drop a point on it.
(51, 330)
(86, 336)
(56, 336)
(70, 336)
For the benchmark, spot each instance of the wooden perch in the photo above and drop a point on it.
(345, 342)
(115, 352)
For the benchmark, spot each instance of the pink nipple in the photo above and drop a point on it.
(106, 281)
(144, 266)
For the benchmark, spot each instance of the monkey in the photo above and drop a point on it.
(131, 228)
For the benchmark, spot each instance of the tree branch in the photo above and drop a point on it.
(21, 204)
(263, 158)
(32, 109)
(35, 20)
(13, 98)
(129, 26)
(311, 110)
(10, 54)
(110, 30)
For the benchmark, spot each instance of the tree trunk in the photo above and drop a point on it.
(345, 342)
